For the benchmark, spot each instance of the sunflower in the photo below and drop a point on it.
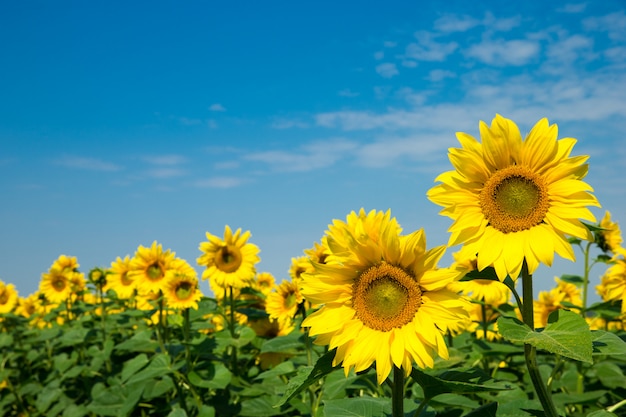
(264, 282)
(613, 283)
(282, 305)
(118, 279)
(27, 306)
(298, 266)
(318, 252)
(383, 300)
(149, 266)
(8, 297)
(562, 296)
(483, 322)
(490, 292)
(513, 200)
(181, 287)
(229, 262)
(610, 238)
(56, 285)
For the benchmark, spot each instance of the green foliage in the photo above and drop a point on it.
(123, 364)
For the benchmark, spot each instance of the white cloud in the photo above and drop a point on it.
(217, 107)
(440, 75)
(409, 64)
(390, 44)
(346, 92)
(165, 159)
(387, 70)
(165, 172)
(379, 55)
(309, 157)
(501, 53)
(562, 53)
(86, 163)
(614, 24)
(455, 23)
(495, 24)
(572, 8)
(218, 182)
(427, 49)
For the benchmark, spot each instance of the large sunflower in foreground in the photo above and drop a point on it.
(229, 262)
(383, 299)
(513, 200)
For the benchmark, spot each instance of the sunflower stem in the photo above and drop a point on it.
(397, 392)
(583, 310)
(530, 352)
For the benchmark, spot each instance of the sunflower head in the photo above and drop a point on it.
(181, 288)
(514, 200)
(119, 279)
(381, 295)
(8, 297)
(231, 261)
(609, 239)
(149, 267)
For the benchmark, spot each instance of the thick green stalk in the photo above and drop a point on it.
(530, 352)
(585, 279)
(397, 393)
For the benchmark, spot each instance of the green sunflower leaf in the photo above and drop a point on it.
(456, 381)
(607, 343)
(566, 334)
(308, 375)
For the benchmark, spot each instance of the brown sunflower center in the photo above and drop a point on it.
(4, 297)
(155, 272)
(385, 296)
(125, 280)
(59, 283)
(514, 199)
(228, 258)
(184, 290)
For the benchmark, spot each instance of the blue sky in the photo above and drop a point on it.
(128, 122)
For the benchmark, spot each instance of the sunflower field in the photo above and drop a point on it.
(369, 323)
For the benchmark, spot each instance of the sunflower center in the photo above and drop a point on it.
(4, 297)
(155, 272)
(184, 290)
(228, 258)
(125, 280)
(385, 296)
(514, 199)
(290, 300)
(59, 283)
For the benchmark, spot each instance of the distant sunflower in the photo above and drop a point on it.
(8, 297)
(118, 279)
(299, 266)
(610, 238)
(513, 200)
(282, 304)
(613, 283)
(149, 266)
(55, 285)
(264, 282)
(318, 252)
(27, 306)
(181, 288)
(229, 262)
(383, 299)
(488, 291)
(564, 295)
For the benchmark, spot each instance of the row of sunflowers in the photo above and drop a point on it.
(367, 315)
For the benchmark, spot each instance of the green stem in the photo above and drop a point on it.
(186, 339)
(530, 352)
(585, 279)
(397, 393)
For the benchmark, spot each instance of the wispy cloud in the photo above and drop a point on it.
(454, 23)
(428, 49)
(218, 182)
(504, 52)
(346, 92)
(387, 70)
(172, 159)
(614, 24)
(165, 173)
(217, 107)
(572, 8)
(308, 157)
(86, 163)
